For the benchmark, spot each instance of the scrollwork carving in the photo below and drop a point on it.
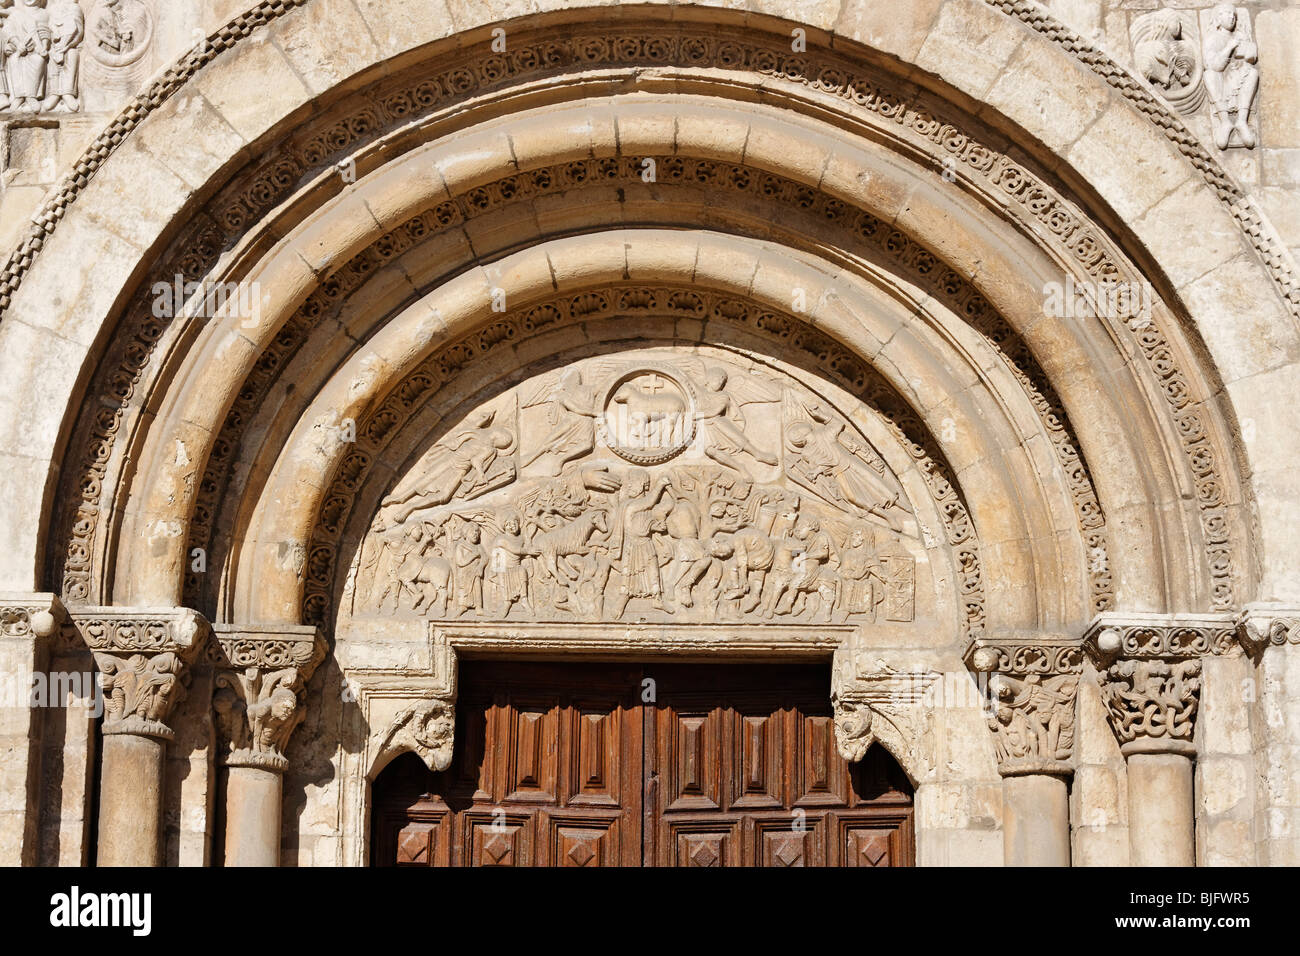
(1149, 668)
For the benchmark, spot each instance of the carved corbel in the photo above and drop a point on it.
(1261, 626)
(143, 656)
(880, 705)
(1033, 683)
(1149, 667)
(426, 728)
(260, 676)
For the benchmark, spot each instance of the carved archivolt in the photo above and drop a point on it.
(904, 113)
(906, 254)
(760, 516)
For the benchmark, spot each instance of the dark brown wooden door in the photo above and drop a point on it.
(673, 765)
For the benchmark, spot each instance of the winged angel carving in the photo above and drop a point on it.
(661, 486)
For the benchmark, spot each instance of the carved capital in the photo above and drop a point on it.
(30, 615)
(1263, 625)
(426, 728)
(1149, 666)
(260, 675)
(143, 656)
(1032, 689)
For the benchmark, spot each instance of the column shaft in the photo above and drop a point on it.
(253, 799)
(1162, 810)
(1036, 820)
(130, 801)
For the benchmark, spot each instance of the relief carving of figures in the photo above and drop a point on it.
(826, 458)
(1166, 55)
(1033, 721)
(27, 43)
(626, 511)
(474, 462)
(140, 691)
(426, 729)
(1231, 76)
(1152, 700)
(40, 55)
(120, 31)
(256, 711)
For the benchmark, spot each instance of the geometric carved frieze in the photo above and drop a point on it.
(1033, 686)
(143, 655)
(260, 676)
(1149, 668)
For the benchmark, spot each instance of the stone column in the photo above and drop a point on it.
(1271, 634)
(257, 703)
(1032, 687)
(1149, 670)
(143, 655)
(27, 622)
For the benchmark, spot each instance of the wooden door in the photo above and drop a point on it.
(546, 772)
(662, 765)
(742, 770)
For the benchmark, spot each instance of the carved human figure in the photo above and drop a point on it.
(505, 572)
(5, 6)
(814, 558)
(467, 572)
(863, 577)
(112, 31)
(635, 556)
(1164, 58)
(472, 466)
(1231, 77)
(722, 425)
(27, 50)
(820, 456)
(573, 408)
(67, 29)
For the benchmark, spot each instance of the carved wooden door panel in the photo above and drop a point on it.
(547, 772)
(742, 770)
(564, 765)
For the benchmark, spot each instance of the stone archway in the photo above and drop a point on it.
(875, 215)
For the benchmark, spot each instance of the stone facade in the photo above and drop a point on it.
(949, 343)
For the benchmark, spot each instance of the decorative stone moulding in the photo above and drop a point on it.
(1268, 625)
(260, 675)
(144, 656)
(1033, 685)
(30, 615)
(1149, 667)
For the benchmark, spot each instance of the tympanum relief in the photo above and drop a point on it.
(655, 486)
